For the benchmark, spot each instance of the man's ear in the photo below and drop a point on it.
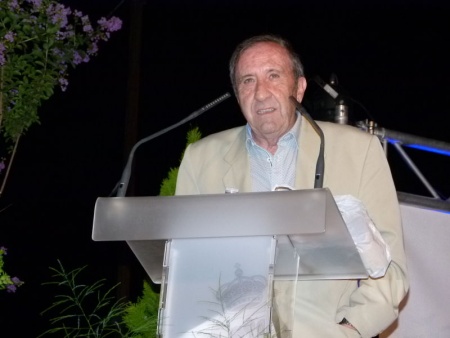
(301, 87)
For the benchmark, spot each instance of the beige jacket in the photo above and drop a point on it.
(355, 164)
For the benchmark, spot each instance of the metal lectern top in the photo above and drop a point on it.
(212, 215)
(311, 215)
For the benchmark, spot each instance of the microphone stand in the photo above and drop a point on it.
(126, 174)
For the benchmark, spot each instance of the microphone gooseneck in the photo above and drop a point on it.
(126, 174)
(320, 164)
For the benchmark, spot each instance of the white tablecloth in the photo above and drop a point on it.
(426, 310)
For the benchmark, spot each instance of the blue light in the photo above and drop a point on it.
(422, 147)
(429, 149)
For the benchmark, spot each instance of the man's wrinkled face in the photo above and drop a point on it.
(265, 80)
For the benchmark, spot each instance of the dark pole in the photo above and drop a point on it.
(127, 266)
(134, 70)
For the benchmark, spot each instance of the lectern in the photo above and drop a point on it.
(217, 255)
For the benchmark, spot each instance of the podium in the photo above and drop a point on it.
(216, 256)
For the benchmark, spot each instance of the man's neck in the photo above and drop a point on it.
(270, 144)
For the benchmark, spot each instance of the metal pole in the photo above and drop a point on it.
(414, 141)
(415, 169)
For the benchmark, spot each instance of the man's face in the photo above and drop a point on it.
(265, 80)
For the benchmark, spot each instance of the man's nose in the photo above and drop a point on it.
(262, 91)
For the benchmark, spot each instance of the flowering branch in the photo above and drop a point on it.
(7, 168)
(6, 282)
(39, 41)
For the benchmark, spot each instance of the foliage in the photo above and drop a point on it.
(142, 317)
(168, 184)
(39, 41)
(84, 310)
(77, 317)
(193, 135)
(6, 282)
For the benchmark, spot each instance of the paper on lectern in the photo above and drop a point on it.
(371, 246)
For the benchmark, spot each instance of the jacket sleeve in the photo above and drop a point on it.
(374, 305)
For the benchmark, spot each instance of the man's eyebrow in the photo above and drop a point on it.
(245, 76)
(274, 70)
(268, 70)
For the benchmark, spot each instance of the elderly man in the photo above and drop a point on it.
(279, 147)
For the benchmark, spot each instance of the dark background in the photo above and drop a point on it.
(392, 57)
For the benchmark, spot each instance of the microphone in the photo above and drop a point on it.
(325, 86)
(341, 111)
(126, 174)
(320, 164)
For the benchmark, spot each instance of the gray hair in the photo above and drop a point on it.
(297, 65)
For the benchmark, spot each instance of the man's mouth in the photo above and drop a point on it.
(265, 111)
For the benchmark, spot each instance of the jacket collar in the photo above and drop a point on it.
(237, 158)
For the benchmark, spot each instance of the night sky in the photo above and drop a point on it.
(392, 58)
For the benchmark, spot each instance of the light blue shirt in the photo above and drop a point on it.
(267, 170)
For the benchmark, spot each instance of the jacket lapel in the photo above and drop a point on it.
(309, 144)
(238, 175)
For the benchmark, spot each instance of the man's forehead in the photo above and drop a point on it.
(265, 48)
(263, 56)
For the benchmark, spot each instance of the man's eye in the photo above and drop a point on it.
(274, 76)
(247, 81)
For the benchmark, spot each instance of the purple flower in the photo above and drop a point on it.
(87, 28)
(13, 4)
(58, 14)
(85, 20)
(2, 55)
(77, 59)
(69, 33)
(2, 167)
(16, 282)
(111, 25)
(57, 52)
(5, 251)
(10, 36)
(11, 288)
(36, 3)
(63, 83)
(93, 48)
